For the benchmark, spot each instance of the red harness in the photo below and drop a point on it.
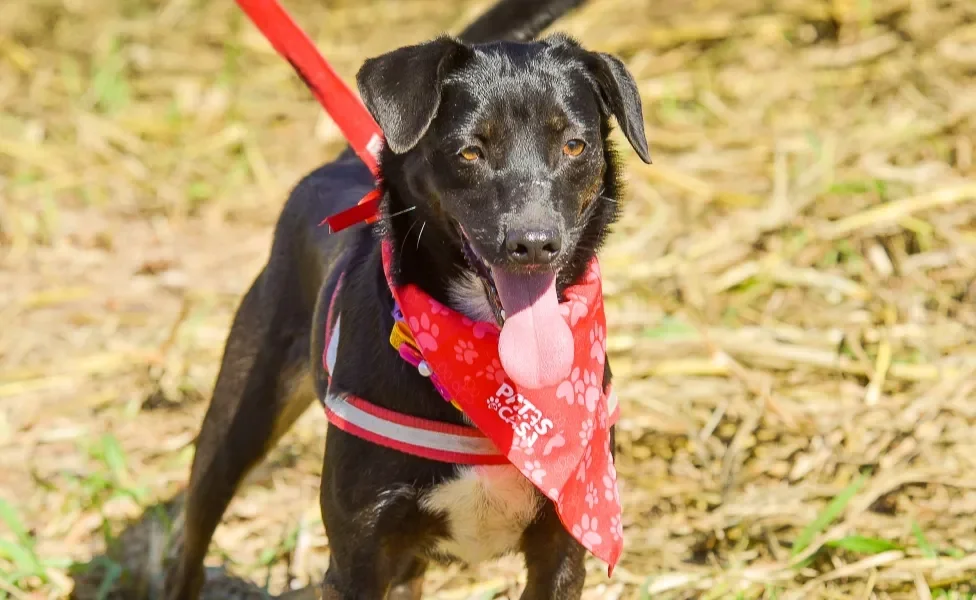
(428, 439)
(425, 438)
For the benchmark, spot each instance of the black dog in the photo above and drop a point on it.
(497, 148)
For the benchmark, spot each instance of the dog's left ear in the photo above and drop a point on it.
(402, 88)
(618, 91)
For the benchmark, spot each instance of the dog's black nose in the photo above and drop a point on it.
(532, 246)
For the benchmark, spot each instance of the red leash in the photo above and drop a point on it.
(345, 108)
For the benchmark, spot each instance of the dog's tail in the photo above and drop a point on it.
(517, 20)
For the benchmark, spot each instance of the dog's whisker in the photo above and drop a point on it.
(407, 237)
(420, 234)
(398, 213)
(590, 208)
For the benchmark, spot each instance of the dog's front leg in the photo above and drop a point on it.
(372, 518)
(358, 586)
(410, 584)
(359, 568)
(372, 570)
(554, 560)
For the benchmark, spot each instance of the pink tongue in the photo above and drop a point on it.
(536, 344)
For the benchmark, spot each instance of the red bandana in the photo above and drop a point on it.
(557, 436)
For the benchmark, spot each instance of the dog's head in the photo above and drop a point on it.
(507, 140)
(503, 149)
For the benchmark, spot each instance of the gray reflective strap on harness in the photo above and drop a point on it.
(433, 440)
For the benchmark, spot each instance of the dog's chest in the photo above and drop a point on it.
(487, 510)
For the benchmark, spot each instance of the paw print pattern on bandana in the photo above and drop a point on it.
(601, 414)
(493, 372)
(465, 352)
(584, 465)
(599, 501)
(535, 470)
(586, 432)
(576, 308)
(582, 387)
(591, 495)
(425, 332)
(524, 447)
(591, 392)
(481, 329)
(436, 308)
(567, 389)
(586, 531)
(616, 528)
(598, 343)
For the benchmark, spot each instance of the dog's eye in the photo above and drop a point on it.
(574, 147)
(470, 153)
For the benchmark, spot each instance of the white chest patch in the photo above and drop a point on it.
(487, 509)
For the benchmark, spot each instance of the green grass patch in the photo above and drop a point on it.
(829, 514)
(860, 544)
(21, 566)
(669, 327)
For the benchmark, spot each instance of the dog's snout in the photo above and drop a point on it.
(526, 246)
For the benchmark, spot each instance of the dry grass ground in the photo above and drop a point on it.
(791, 291)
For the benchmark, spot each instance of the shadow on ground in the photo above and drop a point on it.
(133, 566)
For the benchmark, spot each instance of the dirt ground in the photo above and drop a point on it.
(791, 292)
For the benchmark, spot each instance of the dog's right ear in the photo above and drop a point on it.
(402, 88)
